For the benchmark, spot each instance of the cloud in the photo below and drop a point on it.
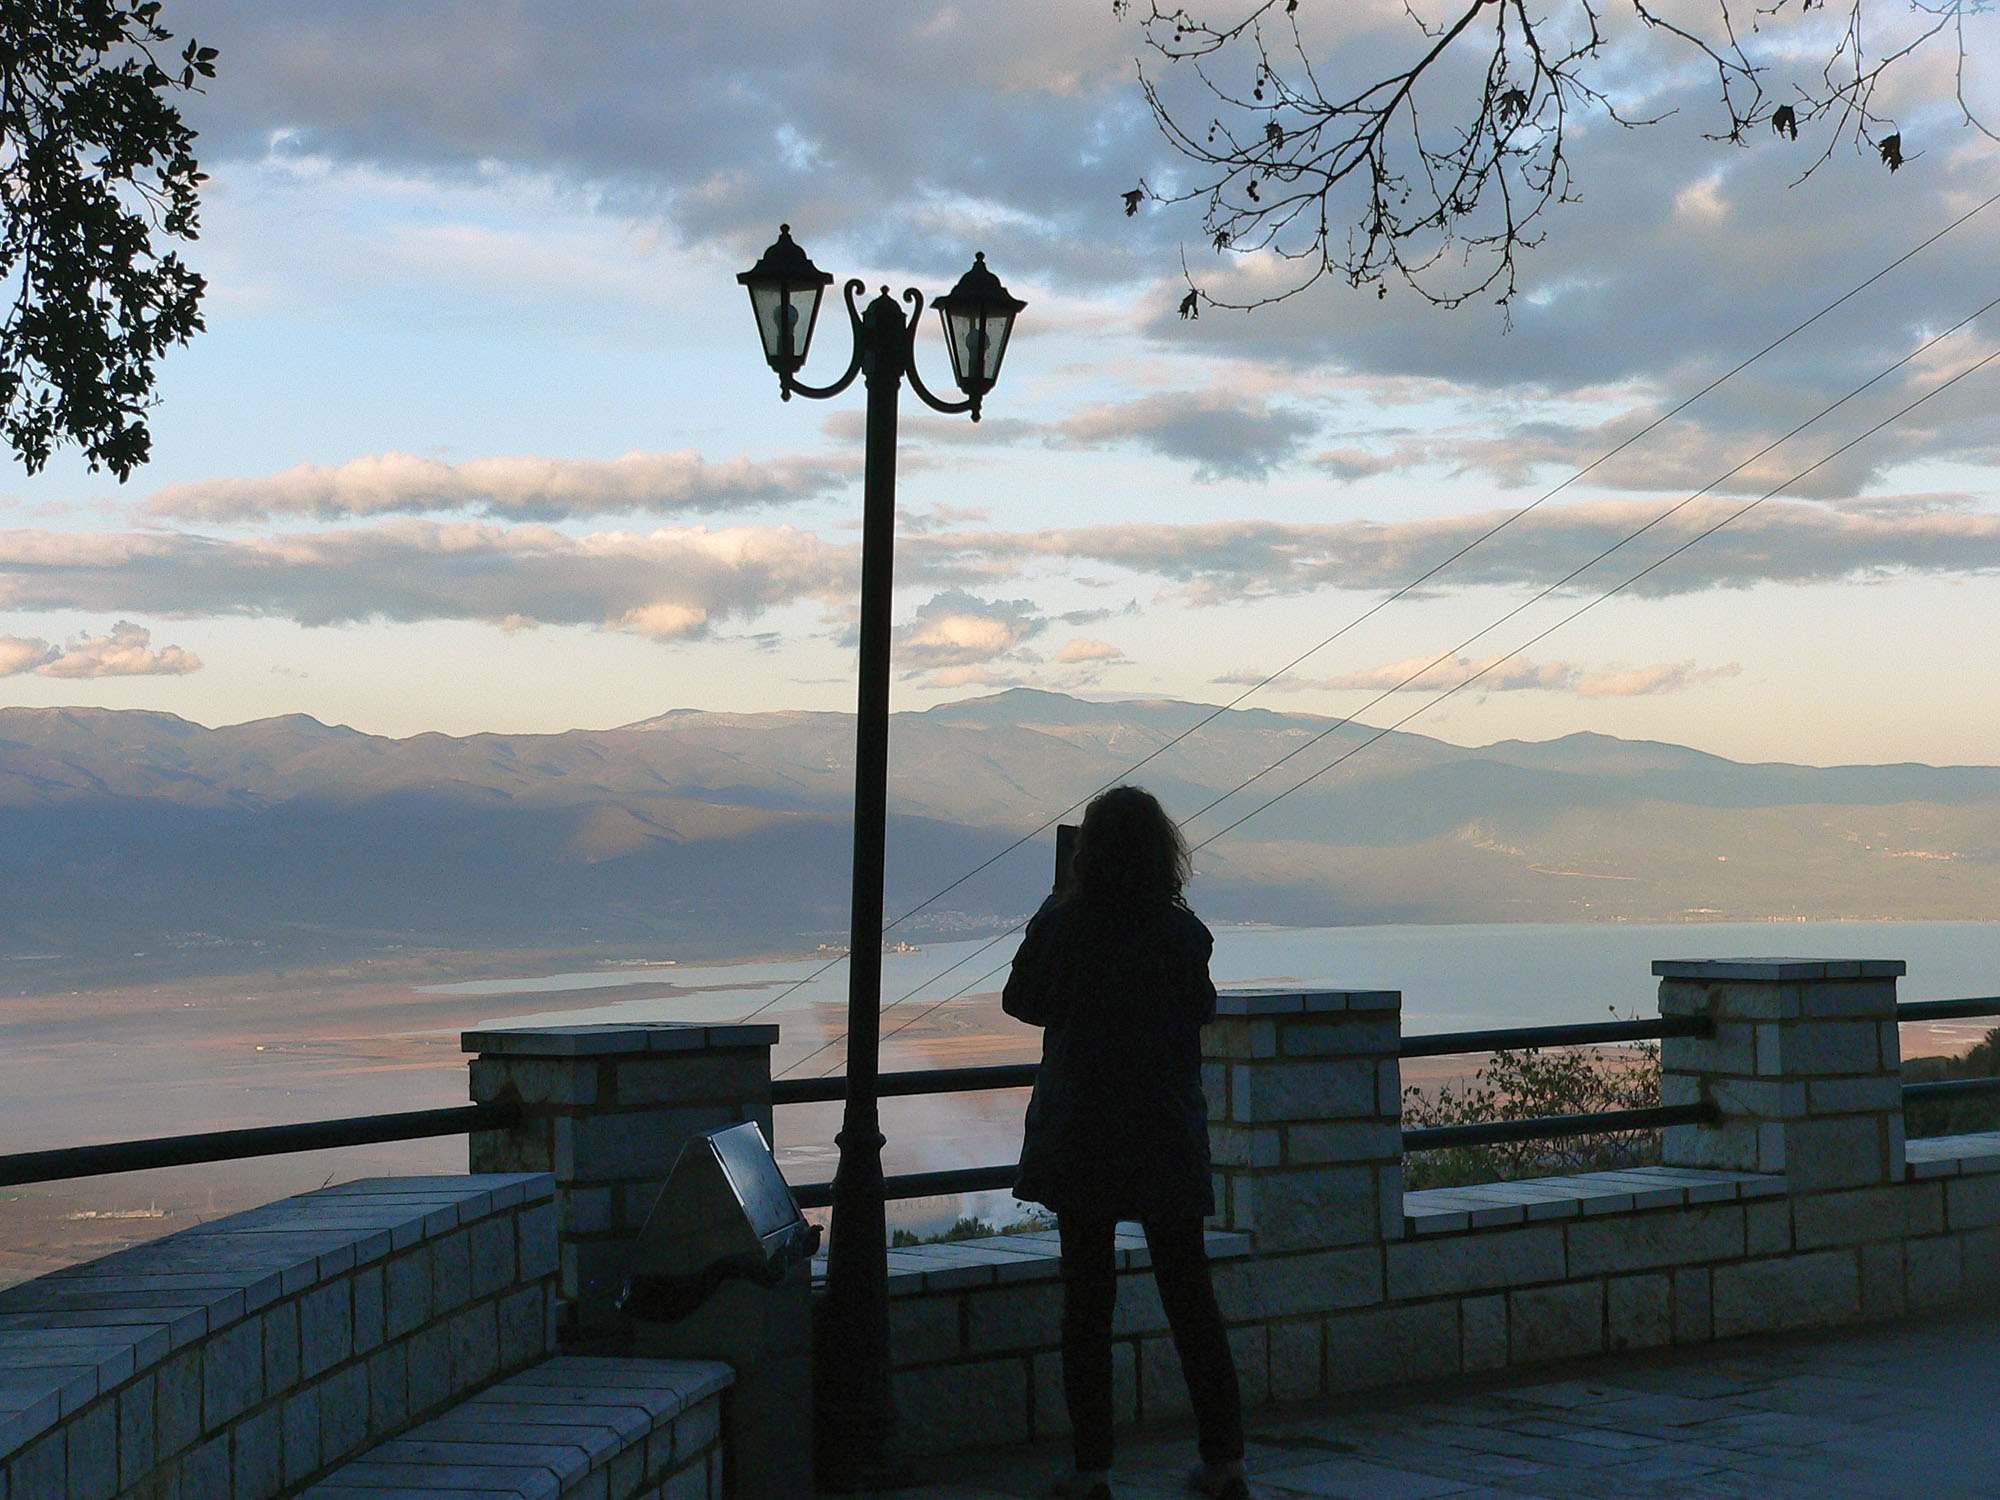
(917, 138)
(23, 653)
(1516, 674)
(671, 584)
(957, 630)
(1358, 463)
(126, 652)
(1217, 562)
(528, 489)
(677, 583)
(1223, 434)
(1082, 649)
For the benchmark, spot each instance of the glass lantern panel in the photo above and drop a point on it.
(998, 327)
(779, 308)
(804, 311)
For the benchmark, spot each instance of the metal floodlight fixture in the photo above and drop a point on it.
(785, 288)
(978, 315)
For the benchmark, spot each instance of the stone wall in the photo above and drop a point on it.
(1802, 1207)
(243, 1359)
(606, 1109)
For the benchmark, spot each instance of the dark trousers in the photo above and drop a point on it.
(1090, 1291)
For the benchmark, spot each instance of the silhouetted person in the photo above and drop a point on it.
(1115, 967)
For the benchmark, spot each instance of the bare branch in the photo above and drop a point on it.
(1439, 172)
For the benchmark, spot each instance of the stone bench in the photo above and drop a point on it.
(572, 1428)
(1584, 1194)
(244, 1357)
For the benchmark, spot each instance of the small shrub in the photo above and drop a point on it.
(1526, 1084)
(1955, 1116)
(973, 1229)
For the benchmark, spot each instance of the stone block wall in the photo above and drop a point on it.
(1803, 1207)
(606, 1111)
(243, 1359)
(1805, 1065)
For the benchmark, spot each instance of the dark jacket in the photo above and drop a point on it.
(1118, 1126)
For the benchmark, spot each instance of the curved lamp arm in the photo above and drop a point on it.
(786, 384)
(950, 408)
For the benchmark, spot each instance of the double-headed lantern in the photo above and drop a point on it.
(785, 289)
(854, 1407)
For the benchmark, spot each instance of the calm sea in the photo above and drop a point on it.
(1504, 974)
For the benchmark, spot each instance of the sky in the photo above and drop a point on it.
(479, 437)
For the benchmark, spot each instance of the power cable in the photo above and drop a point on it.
(1380, 734)
(1394, 596)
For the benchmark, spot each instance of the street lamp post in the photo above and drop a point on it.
(853, 1413)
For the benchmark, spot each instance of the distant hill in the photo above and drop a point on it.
(707, 835)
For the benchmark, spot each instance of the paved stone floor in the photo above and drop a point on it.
(1909, 1409)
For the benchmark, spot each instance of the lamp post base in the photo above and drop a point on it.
(854, 1429)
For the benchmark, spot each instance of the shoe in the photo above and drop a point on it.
(1219, 1481)
(1076, 1486)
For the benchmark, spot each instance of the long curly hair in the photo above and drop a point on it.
(1128, 852)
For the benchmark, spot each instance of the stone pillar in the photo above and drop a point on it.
(1305, 1110)
(1805, 1064)
(608, 1108)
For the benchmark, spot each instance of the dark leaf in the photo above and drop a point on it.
(1892, 150)
(1132, 201)
(1785, 121)
(1191, 304)
(99, 163)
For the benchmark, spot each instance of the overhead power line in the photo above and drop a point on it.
(1210, 717)
(1377, 735)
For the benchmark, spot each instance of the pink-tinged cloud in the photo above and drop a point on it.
(956, 632)
(127, 651)
(670, 583)
(1082, 649)
(524, 489)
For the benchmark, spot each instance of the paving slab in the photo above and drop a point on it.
(1901, 1411)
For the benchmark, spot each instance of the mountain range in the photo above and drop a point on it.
(144, 839)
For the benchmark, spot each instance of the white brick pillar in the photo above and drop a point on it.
(1805, 1065)
(607, 1109)
(1305, 1116)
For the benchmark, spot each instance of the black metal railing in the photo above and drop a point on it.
(361, 1130)
(1949, 1088)
(916, 1081)
(1426, 1138)
(262, 1140)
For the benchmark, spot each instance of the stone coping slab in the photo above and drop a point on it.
(1779, 969)
(1951, 1155)
(544, 1433)
(1003, 1259)
(613, 1037)
(72, 1335)
(1448, 1210)
(1253, 1001)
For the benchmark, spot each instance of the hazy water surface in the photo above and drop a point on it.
(1500, 974)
